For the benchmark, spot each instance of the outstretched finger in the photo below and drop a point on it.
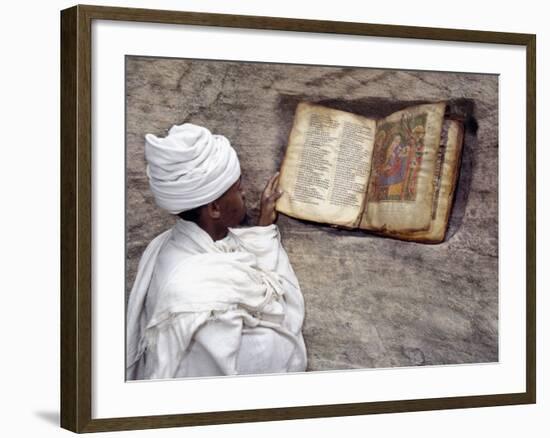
(272, 183)
(276, 195)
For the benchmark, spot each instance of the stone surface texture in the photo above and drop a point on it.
(370, 301)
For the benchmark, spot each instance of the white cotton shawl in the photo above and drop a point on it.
(189, 167)
(214, 278)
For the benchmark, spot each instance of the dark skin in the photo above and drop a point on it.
(229, 210)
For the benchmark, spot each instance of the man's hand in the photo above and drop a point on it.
(271, 193)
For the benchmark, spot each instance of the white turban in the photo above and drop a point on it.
(190, 167)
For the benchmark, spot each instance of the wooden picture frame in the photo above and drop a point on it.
(76, 218)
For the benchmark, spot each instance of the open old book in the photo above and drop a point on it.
(394, 176)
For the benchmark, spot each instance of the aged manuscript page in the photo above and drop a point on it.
(327, 164)
(401, 189)
(445, 177)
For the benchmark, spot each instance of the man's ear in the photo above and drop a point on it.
(213, 210)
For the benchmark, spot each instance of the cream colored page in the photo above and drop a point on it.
(401, 189)
(326, 168)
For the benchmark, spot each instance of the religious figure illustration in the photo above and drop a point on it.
(395, 165)
(398, 161)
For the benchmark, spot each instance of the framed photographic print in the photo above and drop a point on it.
(303, 218)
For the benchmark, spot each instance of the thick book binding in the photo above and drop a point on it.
(394, 176)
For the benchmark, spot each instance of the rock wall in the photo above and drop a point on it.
(370, 301)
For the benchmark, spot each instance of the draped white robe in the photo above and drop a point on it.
(201, 307)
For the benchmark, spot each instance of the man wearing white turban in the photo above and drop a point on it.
(210, 298)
